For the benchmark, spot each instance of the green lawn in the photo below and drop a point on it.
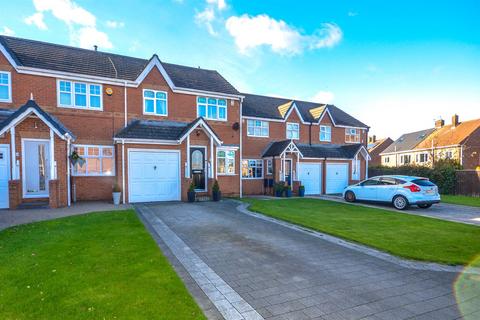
(465, 200)
(94, 266)
(401, 234)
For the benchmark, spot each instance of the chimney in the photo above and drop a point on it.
(439, 123)
(455, 120)
(372, 139)
(95, 47)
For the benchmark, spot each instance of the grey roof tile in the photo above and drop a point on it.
(49, 56)
(408, 141)
(332, 151)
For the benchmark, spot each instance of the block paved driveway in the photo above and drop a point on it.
(286, 274)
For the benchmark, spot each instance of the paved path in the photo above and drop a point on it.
(287, 274)
(10, 218)
(444, 211)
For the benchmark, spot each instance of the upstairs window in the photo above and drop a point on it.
(352, 135)
(98, 161)
(293, 131)
(257, 128)
(211, 108)
(325, 133)
(79, 95)
(5, 87)
(155, 102)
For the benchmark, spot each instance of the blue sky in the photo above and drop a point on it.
(396, 66)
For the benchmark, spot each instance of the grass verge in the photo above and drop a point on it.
(94, 266)
(463, 200)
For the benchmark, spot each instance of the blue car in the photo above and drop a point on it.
(400, 191)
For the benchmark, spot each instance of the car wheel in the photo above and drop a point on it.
(425, 206)
(349, 196)
(400, 202)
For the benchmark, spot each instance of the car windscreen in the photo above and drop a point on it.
(423, 183)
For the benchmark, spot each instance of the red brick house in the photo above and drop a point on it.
(153, 128)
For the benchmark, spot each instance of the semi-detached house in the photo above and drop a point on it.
(153, 128)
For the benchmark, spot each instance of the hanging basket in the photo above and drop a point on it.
(76, 159)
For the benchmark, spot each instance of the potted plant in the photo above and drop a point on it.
(216, 193)
(278, 187)
(191, 192)
(75, 159)
(288, 191)
(301, 191)
(117, 191)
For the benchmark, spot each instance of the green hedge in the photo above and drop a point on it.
(442, 174)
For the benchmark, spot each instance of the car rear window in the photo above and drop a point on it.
(423, 183)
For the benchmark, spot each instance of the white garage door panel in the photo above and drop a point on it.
(311, 177)
(153, 176)
(337, 177)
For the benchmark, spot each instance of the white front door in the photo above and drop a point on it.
(4, 175)
(36, 168)
(153, 175)
(337, 177)
(310, 176)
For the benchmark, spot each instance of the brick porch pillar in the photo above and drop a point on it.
(14, 193)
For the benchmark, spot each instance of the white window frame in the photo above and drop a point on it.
(234, 159)
(289, 130)
(100, 156)
(419, 157)
(269, 167)
(217, 106)
(257, 162)
(403, 158)
(356, 169)
(9, 85)
(72, 95)
(386, 159)
(251, 123)
(348, 133)
(154, 102)
(448, 154)
(329, 132)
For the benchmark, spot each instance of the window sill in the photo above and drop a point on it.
(6, 101)
(154, 114)
(93, 175)
(250, 136)
(226, 174)
(244, 178)
(80, 108)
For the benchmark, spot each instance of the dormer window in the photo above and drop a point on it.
(212, 108)
(5, 87)
(155, 102)
(79, 95)
(352, 135)
(293, 131)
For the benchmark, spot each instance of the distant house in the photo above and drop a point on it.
(459, 141)
(375, 147)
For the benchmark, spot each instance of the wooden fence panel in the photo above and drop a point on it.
(468, 183)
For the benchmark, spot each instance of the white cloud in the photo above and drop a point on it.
(250, 32)
(323, 97)
(352, 13)
(206, 17)
(115, 24)
(220, 4)
(82, 23)
(37, 20)
(6, 31)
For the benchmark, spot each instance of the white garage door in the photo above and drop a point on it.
(153, 176)
(310, 175)
(337, 177)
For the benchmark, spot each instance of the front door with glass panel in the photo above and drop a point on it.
(288, 171)
(197, 159)
(36, 168)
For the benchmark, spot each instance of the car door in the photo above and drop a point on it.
(387, 188)
(367, 190)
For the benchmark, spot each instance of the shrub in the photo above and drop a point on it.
(442, 173)
(191, 188)
(215, 187)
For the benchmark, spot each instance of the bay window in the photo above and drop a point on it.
(212, 108)
(99, 161)
(225, 162)
(257, 128)
(79, 95)
(155, 102)
(252, 169)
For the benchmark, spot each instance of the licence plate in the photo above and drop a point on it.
(431, 191)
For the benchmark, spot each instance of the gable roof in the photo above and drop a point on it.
(54, 57)
(408, 141)
(165, 130)
(449, 135)
(374, 145)
(32, 107)
(259, 106)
